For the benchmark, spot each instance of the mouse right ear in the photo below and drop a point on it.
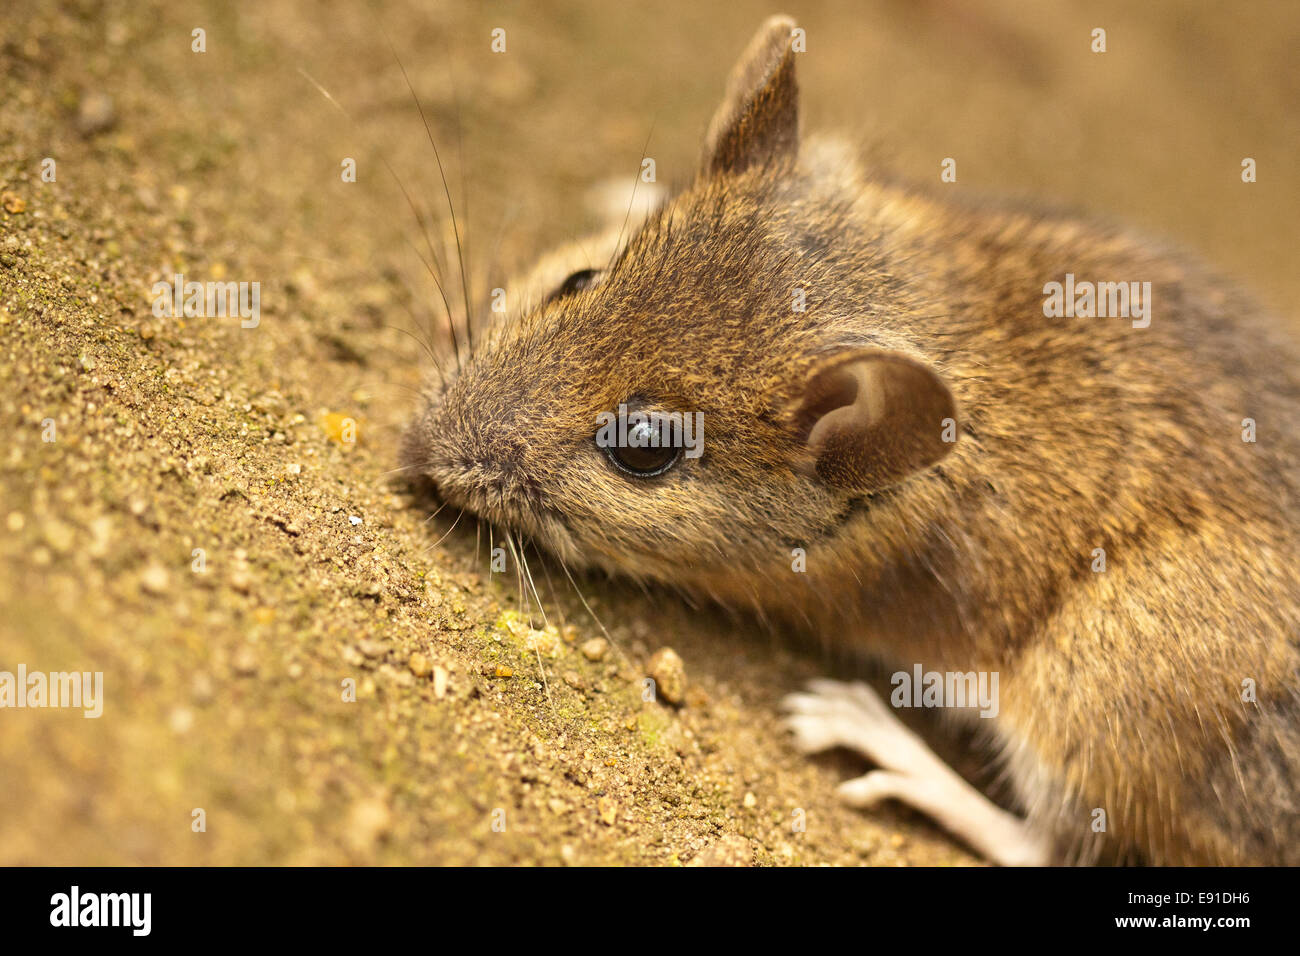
(871, 417)
(758, 120)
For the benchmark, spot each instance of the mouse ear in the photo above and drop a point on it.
(871, 417)
(758, 120)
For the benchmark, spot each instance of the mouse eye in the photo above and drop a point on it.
(582, 279)
(649, 446)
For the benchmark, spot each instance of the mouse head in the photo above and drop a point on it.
(731, 386)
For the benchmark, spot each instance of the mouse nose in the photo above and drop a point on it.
(481, 444)
(484, 465)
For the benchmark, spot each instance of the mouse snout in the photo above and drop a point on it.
(484, 465)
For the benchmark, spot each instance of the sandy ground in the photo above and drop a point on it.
(471, 739)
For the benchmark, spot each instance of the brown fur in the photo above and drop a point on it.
(1121, 690)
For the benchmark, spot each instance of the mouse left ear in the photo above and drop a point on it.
(758, 120)
(871, 417)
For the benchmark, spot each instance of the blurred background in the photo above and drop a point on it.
(222, 687)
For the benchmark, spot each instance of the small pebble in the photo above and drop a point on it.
(544, 641)
(155, 579)
(181, 719)
(730, 850)
(244, 662)
(607, 807)
(368, 820)
(595, 649)
(95, 113)
(669, 674)
(59, 536)
(202, 688)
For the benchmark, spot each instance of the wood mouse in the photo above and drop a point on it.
(929, 437)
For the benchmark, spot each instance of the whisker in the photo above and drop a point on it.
(449, 531)
(429, 267)
(466, 265)
(528, 575)
(609, 637)
(455, 228)
(618, 241)
(550, 585)
(394, 471)
(436, 513)
(494, 259)
(524, 605)
(430, 347)
(418, 341)
(415, 211)
(390, 384)
(521, 563)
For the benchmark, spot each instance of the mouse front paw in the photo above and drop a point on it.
(834, 714)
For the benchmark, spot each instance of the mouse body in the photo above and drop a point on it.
(965, 438)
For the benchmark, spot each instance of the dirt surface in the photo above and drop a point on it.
(198, 531)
